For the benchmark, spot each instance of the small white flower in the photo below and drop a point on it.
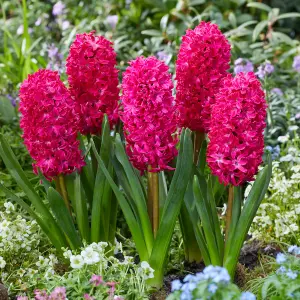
(90, 256)
(283, 139)
(76, 261)
(20, 30)
(145, 270)
(2, 263)
(9, 207)
(293, 128)
(65, 25)
(288, 157)
(67, 254)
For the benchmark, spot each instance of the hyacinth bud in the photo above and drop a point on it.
(148, 114)
(236, 133)
(202, 62)
(93, 81)
(49, 124)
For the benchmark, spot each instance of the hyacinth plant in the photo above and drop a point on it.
(233, 155)
(81, 205)
(202, 62)
(151, 136)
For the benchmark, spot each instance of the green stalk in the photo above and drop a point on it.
(153, 200)
(63, 191)
(229, 211)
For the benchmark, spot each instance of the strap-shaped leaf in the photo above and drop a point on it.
(195, 219)
(136, 192)
(64, 218)
(174, 200)
(102, 190)
(81, 210)
(18, 174)
(87, 174)
(215, 218)
(50, 229)
(256, 195)
(208, 228)
(131, 220)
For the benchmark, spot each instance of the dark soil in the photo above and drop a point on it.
(249, 259)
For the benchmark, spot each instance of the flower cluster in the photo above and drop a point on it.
(17, 237)
(286, 263)
(236, 134)
(243, 65)
(90, 255)
(93, 81)
(274, 151)
(285, 282)
(212, 283)
(277, 91)
(278, 216)
(49, 124)
(55, 59)
(202, 62)
(296, 63)
(99, 275)
(148, 114)
(264, 70)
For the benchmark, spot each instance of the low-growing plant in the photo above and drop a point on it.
(93, 274)
(213, 283)
(277, 218)
(285, 282)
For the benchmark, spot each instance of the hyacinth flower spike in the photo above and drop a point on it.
(202, 62)
(49, 123)
(234, 153)
(93, 81)
(151, 138)
(149, 123)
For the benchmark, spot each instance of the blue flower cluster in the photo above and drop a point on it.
(275, 151)
(282, 258)
(215, 276)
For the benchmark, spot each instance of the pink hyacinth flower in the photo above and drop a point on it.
(202, 62)
(148, 114)
(236, 141)
(49, 124)
(93, 80)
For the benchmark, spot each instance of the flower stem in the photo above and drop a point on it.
(63, 191)
(229, 211)
(153, 200)
(198, 139)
